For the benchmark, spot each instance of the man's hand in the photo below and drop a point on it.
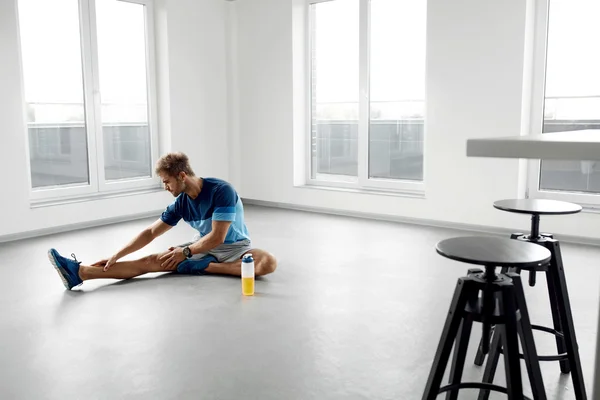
(106, 263)
(172, 258)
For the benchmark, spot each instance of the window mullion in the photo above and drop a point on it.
(151, 83)
(96, 95)
(311, 98)
(538, 83)
(363, 106)
(90, 90)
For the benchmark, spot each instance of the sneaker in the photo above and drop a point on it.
(67, 269)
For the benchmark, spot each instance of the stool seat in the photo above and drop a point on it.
(537, 206)
(493, 251)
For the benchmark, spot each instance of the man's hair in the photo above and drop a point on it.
(173, 164)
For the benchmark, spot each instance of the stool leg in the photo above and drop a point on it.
(492, 362)
(560, 342)
(527, 342)
(510, 344)
(480, 357)
(566, 318)
(438, 367)
(460, 354)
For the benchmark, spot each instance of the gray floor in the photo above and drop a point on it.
(353, 312)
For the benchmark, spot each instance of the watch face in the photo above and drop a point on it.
(186, 251)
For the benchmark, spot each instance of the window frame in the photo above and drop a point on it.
(97, 186)
(362, 181)
(537, 103)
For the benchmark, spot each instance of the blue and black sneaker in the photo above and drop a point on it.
(67, 269)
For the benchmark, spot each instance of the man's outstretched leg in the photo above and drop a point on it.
(264, 263)
(73, 273)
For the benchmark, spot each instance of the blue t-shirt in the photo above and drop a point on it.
(217, 201)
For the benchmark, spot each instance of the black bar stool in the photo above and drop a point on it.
(502, 303)
(564, 330)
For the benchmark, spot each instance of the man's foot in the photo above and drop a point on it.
(67, 269)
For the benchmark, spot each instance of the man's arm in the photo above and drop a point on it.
(215, 238)
(141, 240)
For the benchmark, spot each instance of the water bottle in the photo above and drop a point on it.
(248, 275)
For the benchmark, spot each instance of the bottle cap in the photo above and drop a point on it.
(247, 258)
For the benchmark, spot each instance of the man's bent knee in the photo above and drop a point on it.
(268, 265)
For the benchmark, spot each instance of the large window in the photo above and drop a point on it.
(89, 93)
(566, 94)
(367, 86)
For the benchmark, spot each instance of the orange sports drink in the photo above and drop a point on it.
(248, 275)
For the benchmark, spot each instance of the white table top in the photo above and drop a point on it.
(576, 145)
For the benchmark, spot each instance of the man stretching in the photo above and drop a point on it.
(209, 205)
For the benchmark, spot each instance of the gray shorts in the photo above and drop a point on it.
(227, 252)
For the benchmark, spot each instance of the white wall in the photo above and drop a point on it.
(198, 97)
(193, 115)
(475, 68)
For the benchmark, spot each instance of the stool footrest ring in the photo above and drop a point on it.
(476, 385)
(558, 357)
(548, 330)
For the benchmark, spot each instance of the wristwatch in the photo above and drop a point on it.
(187, 252)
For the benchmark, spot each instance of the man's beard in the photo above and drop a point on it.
(180, 189)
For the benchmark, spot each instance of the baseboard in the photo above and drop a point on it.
(77, 226)
(289, 206)
(414, 221)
